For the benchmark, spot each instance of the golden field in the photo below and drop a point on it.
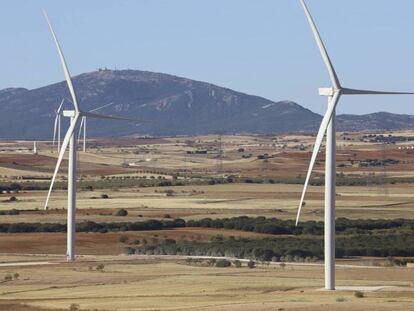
(150, 283)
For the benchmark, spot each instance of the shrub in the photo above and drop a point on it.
(169, 193)
(12, 199)
(123, 238)
(8, 277)
(237, 263)
(16, 276)
(121, 212)
(223, 263)
(251, 264)
(104, 196)
(167, 216)
(74, 307)
(129, 250)
(340, 299)
(100, 267)
(359, 294)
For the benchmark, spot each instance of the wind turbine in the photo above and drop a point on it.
(70, 140)
(56, 127)
(83, 125)
(327, 126)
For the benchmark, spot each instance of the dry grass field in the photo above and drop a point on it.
(195, 202)
(92, 243)
(145, 283)
(141, 284)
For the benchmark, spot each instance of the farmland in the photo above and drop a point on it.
(193, 178)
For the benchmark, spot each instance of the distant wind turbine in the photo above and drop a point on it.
(83, 125)
(56, 127)
(327, 126)
(70, 140)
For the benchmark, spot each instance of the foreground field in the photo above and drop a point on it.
(141, 284)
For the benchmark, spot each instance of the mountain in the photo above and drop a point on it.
(375, 121)
(174, 105)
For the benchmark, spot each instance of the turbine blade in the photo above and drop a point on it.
(80, 127)
(102, 116)
(101, 107)
(64, 65)
(56, 121)
(322, 49)
(319, 138)
(65, 144)
(55, 129)
(60, 106)
(346, 91)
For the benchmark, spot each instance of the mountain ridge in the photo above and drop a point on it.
(176, 105)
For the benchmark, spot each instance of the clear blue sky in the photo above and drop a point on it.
(258, 47)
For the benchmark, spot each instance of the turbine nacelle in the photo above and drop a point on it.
(69, 113)
(327, 91)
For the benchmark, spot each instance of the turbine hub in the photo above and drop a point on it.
(326, 91)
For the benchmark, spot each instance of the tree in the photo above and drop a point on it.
(121, 212)
(223, 263)
(251, 264)
(237, 263)
(12, 199)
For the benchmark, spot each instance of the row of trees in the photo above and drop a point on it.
(301, 249)
(287, 227)
(130, 182)
(274, 226)
(90, 226)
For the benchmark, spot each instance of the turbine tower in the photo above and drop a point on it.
(56, 127)
(70, 140)
(327, 126)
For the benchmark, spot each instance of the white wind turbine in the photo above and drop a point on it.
(83, 125)
(327, 126)
(56, 127)
(70, 140)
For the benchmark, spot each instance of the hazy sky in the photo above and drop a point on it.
(258, 47)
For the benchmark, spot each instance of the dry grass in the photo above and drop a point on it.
(228, 200)
(149, 285)
(168, 285)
